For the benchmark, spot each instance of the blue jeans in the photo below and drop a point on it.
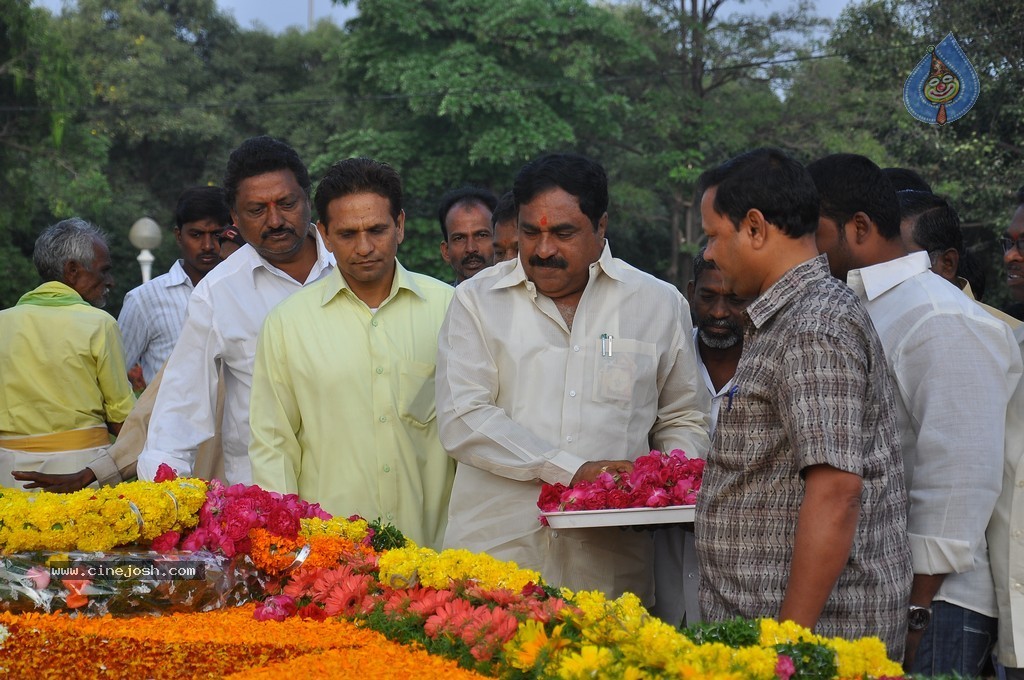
(957, 640)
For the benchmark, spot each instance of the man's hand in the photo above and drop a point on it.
(588, 472)
(66, 483)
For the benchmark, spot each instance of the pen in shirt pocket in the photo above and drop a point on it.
(606, 345)
(733, 391)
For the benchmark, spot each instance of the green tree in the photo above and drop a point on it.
(465, 92)
(51, 165)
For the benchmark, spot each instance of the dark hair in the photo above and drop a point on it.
(357, 176)
(700, 265)
(848, 184)
(467, 195)
(936, 224)
(504, 210)
(576, 175)
(937, 229)
(258, 156)
(70, 240)
(201, 203)
(905, 179)
(767, 180)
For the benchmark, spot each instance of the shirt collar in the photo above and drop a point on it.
(336, 283)
(176, 276)
(324, 259)
(785, 289)
(871, 282)
(606, 263)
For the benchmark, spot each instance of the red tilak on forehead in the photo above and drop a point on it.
(543, 220)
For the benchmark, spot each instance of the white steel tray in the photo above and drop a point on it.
(577, 519)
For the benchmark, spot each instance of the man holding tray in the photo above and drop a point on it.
(802, 513)
(554, 367)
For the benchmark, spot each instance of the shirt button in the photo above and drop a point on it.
(374, 322)
(383, 419)
(572, 393)
(554, 534)
(391, 515)
(575, 348)
(379, 370)
(569, 439)
(387, 468)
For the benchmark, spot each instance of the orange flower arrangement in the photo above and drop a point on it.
(224, 643)
(274, 554)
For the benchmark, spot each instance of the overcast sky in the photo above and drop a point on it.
(278, 15)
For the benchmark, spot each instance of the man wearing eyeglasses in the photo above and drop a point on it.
(1013, 251)
(1006, 549)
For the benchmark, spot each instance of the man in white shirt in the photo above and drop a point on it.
(955, 368)
(152, 315)
(267, 190)
(1005, 531)
(555, 367)
(718, 341)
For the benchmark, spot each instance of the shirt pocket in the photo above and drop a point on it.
(626, 373)
(416, 392)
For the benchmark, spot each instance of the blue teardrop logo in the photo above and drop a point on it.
(943, 86)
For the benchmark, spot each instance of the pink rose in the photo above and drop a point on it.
(283, 523)
(195, 540)
(166, 541)
(40, 577)
(165, 473)
(275, 608)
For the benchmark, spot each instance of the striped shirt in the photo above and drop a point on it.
(811, 388)
(151, 319)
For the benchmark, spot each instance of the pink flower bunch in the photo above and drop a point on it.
(657, 480)
(484, 630)
(230, 512)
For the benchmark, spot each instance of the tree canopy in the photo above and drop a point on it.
(112, 108)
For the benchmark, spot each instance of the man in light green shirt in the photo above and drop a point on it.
(63, 384)
(342, 406)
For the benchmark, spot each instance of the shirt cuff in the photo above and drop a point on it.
(932, 555)
(565, 466)
(105, 469)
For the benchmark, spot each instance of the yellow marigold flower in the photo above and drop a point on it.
(590, 662)
(863, 658)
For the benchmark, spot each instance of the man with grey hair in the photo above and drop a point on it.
(63, 384)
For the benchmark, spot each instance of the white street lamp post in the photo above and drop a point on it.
(145, 235)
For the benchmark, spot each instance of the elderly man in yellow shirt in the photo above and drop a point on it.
(63, 384)
(342, 405)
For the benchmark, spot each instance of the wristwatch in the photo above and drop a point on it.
(919, 617)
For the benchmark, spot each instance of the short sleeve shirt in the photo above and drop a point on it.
(811, 388)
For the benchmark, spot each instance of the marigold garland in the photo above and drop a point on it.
(97, 519)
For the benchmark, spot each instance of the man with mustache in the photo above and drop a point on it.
(465, 217)
(718, 341)
(555, 367)
(63, 385)
(267, 190)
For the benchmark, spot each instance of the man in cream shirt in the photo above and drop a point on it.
(555, 367)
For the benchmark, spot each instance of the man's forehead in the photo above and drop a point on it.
(281, 181)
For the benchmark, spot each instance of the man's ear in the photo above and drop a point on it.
(72, 270)
(946, 264)
(755, 227)
(862, 228)
(444, 252)
(689, 290)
